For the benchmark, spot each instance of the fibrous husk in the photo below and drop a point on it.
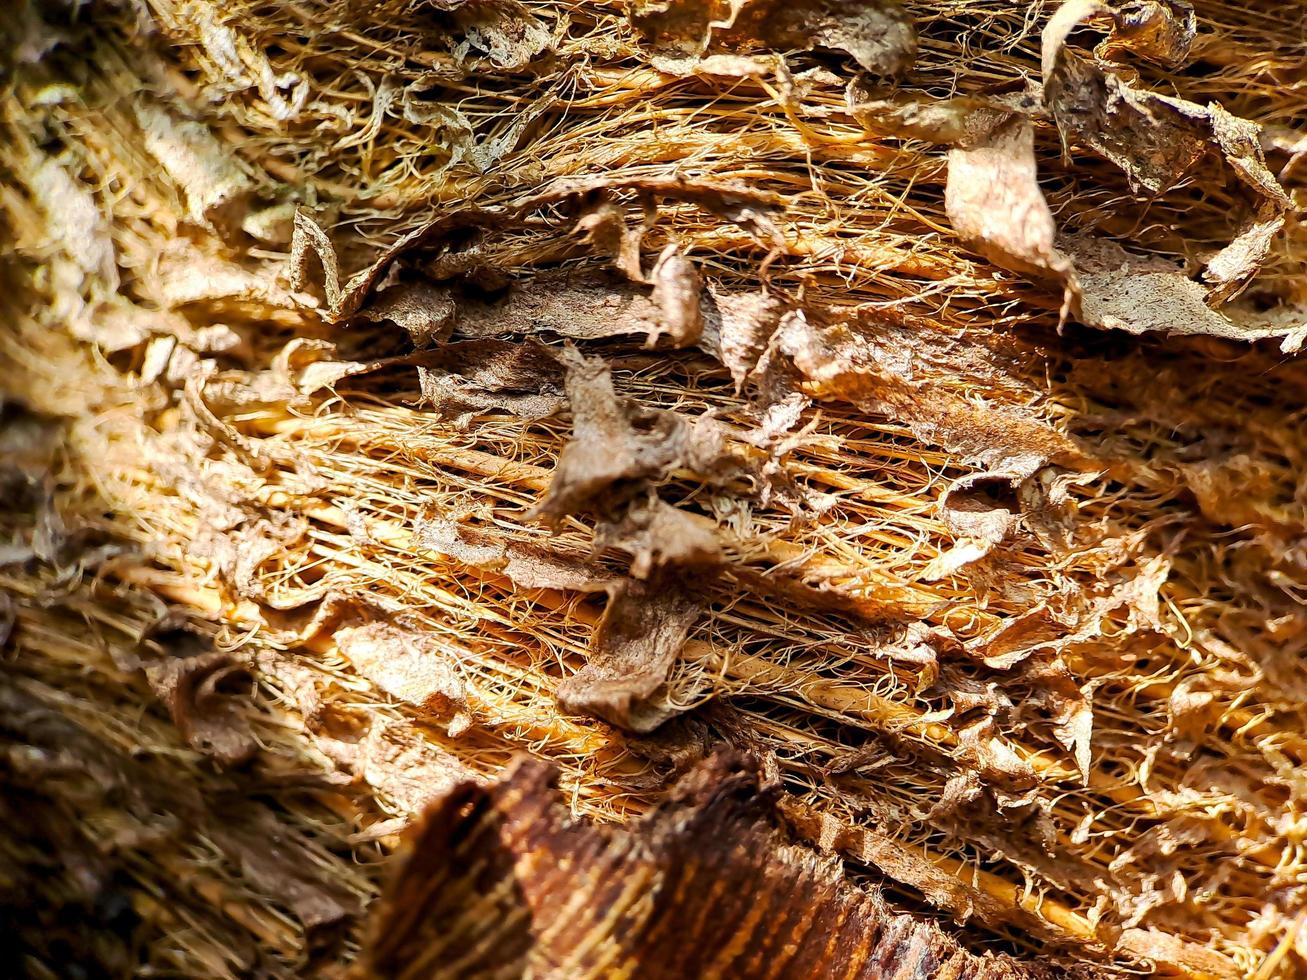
(1009, 610)
(995, 203)
(679, 893)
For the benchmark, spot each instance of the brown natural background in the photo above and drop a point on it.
(860, 447)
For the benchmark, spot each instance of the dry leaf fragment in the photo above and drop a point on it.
(527, 564)
(643, 629)
(1008, 775)
(187, 682)
(75, 225)
(750, 208)
(427, 104)
(960, 121)
(396, 761)
(644, 625)
(1041, 627)
(604, 226)
(676, 292)
(1231, 487)
(573, 897)
(968, 694)
(715, 65)
(616, 443)
(1156, 139)
(1160, 31)
(1068, 618)
(995, 203)
(778, 434)
(888, 367)
(961, 789)
(311, 374)
(300, 683)
(217, 192)
(1139, 595)
(1197, 703)
(974, 506)
(278, 863)
(1164, 840)
(450, 129)
(775, 429)
(478, 376)
(408, 664)
(1139, 294)
(879, 35)
(656, 534)
(271, 225)
(75, 221)
(1240, 144)
(678, 745)
(305, 365)
(588, 307)
(344, 300)
(740, 329)
(8, 618)
(190, 280)
(918, 645)
(982, 510)
(503, 32)
(308, 235)
(1067, 703)
(1147, 136)
(425, 311)
(1233, 266)
(257, 542)
(230, 55)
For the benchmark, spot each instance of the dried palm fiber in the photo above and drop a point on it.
(942, 516)
(711, 873)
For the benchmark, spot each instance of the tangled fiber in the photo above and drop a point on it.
(905, 396)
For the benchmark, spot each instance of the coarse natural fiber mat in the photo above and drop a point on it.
(861, 447)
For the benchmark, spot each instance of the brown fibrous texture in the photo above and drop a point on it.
(903, 395)
(713, 875)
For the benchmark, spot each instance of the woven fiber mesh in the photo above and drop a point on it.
(393, 387)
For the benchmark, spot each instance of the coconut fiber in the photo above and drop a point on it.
(654, 488)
